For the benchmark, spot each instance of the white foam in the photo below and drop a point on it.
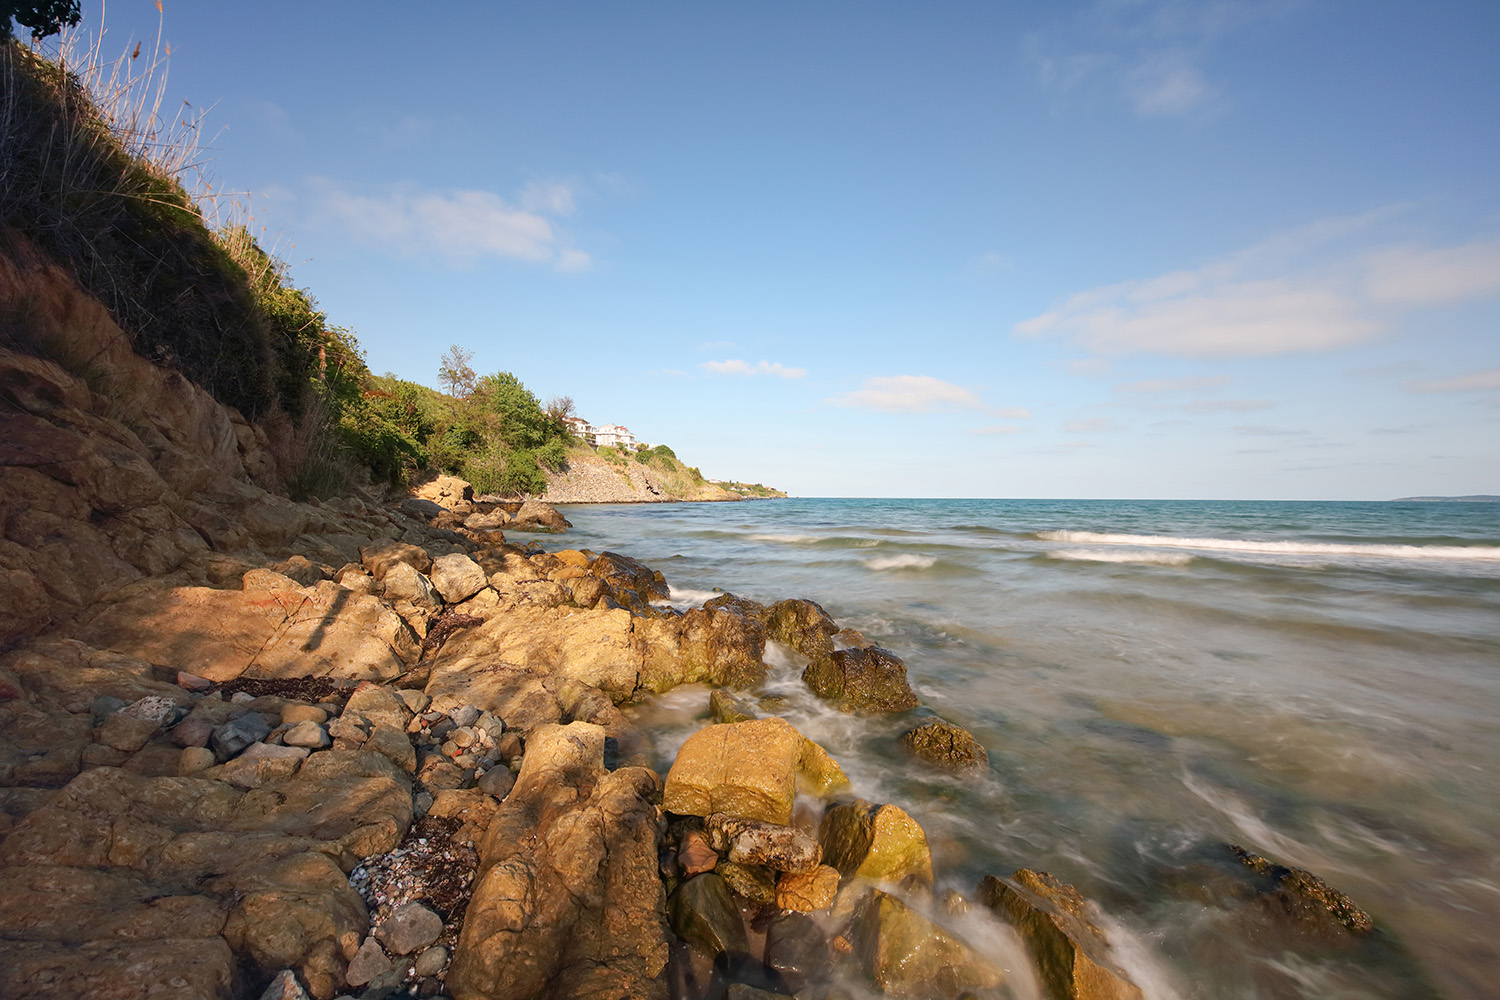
(785, 539)
(683, 598)
(1106, 555)
(1486, 553)
(907, 561)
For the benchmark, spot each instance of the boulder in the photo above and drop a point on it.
(907, 955)
(403, 583)
(1057, 926)
(378, 557)
(408, 928)
(568, 901)
(743, 769)
(797, 949)
(727, 706)
(457, 577)
(877, 842)
(861, 680)
(721, 647)
(1304, 898)
(535, 515)
(803, 625)
(946, 745)
(704, 914)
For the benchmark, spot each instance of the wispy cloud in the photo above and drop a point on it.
(1150, 53)
(1227, 405)
(1190, 383)
(1262, 430)
(1316, 288)
(1483, 381)
(460, 226)
(737, 367)
(996, 429)
(910, 394)
(1090, 426)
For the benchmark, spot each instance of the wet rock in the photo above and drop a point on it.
(752, 842)
(537, 516)
(797, 949)
(947, 746)
(234, 736)
(806, 892)
(721, 647)
(409, 927)
(704, 914)
(907, 955)
(877, 842)
(753, 882)
(861, 680)
(1056, 923)
(727, 706)
(284, 986)
(745, 769)
(803, 625)
(457, 577)
(696, 855)
(1303, 897)
(569, 901)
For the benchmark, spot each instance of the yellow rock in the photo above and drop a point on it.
(877, 842)
(808, 891)
(747, 769)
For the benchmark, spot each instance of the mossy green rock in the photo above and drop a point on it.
(756, 883)
(908, 955)
(861, 680)
(946, 745)
(1071, 953)
(703, 913)
(877, 842)
(803, 625)
(726, 706)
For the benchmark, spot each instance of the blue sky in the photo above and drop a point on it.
(1128, 248)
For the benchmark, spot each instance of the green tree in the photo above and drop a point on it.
(45, 17)
(522, 423)
(456, 372)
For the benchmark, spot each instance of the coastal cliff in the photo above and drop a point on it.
(593, 479)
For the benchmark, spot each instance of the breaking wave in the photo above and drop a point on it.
(1485, 553)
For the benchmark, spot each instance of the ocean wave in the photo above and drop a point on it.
(684, 598)
(785, 539)
(1110, 556)
(1485, 553)
(907, 561)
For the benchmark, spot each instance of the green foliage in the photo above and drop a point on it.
(43, 17)
(553, 455)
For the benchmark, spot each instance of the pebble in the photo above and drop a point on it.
(432, 961)
(195, 760)
(271, 751)
(241, 697)
(464, 716)
(192, 682)
(497, 781)
(464, 736)
(152, 708)
(235, 735)
(193, 731)
(302, 713)
(695, 855)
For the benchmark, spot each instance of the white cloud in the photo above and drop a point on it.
(462, 226)
(737, 367)
(1190, 383)
(1483, 381)
(909, 394)
(1314, 288)
(1167, 83)
(552, 197)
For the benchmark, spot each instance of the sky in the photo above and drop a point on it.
(1122, 248)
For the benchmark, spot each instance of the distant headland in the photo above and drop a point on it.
(1471, 498)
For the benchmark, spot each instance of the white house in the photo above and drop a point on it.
(613, 434)
(579, 427)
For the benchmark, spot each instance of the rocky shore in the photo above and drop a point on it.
(372, 746)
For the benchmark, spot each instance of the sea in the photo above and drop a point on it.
(1316, 682)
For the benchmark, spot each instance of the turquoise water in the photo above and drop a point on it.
(1315, 681)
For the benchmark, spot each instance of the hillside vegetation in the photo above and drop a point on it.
(92, 178)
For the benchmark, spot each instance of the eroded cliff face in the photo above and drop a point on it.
(111, 468)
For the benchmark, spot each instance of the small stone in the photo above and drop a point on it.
(497, 781)
(273, 751)
(347, 727)
(391, 742)
(241, 697)
(192, 682)
(152, 708)
(307, 734)
(751, 842)
(464, 737)
(421, 803)
(368, 963)
(808, 891)
(432, 961)
(753, 882)
(291, 714)
(235, 735)
(195, 760)
(696, 856)
(509, 747)
(492, 725)
(416, 701)
(106, 705)
(194, 731)
(410, 927)
(451, 749)
(285, 987)
(465, 715)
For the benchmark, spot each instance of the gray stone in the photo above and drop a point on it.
(409, 928)
(497, 781)
(235, 735)
(194, 731)
(285, 987)
(432, 961)
(752, 842)
(464, 715)
(704, 914)
(106, 705)
(368, 963)
(272, 751)
(152, 708)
